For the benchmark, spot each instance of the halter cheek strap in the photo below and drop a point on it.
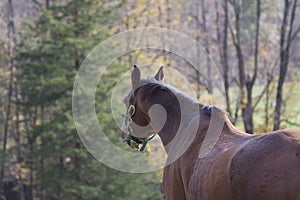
(129, 130)
(146, 141)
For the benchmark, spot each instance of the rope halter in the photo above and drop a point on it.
(131, 140)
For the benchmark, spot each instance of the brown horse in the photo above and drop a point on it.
(239, 166)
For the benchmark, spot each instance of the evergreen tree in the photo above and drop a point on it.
(50, 55)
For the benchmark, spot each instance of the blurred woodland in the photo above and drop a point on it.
(255, 44)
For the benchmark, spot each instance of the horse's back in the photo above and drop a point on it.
(268, 167)
(258, 167)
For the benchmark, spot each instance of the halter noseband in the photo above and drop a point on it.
(133, 141)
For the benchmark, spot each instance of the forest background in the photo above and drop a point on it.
(255, 45)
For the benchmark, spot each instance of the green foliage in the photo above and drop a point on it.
(50, 55)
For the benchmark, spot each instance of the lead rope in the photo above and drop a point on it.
(146, 141)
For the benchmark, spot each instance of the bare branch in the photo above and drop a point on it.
(290, 123)
(295, 34)
(289, 40)
(256, 43)
(232, 35)
(264, 91)
(37, 3)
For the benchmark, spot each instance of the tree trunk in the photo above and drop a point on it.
(11, 56)
(285, 42)
(225, 58)
(41, 188)
(248, 110)
(197, 73)
(18, 141)
(26, 126)
(206, 47)
(242, 76)
(246, 82)
(223, 49)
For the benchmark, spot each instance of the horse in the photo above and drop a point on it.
(238, 166)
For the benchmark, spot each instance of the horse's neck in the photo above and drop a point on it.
(165, 122)
(174, 119)
(172, 112)
(193, 124)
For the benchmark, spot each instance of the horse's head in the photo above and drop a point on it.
(137, 129)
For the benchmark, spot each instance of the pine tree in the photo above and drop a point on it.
(50, 55)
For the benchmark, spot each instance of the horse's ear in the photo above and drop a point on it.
(135, 77)
(160, 74)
